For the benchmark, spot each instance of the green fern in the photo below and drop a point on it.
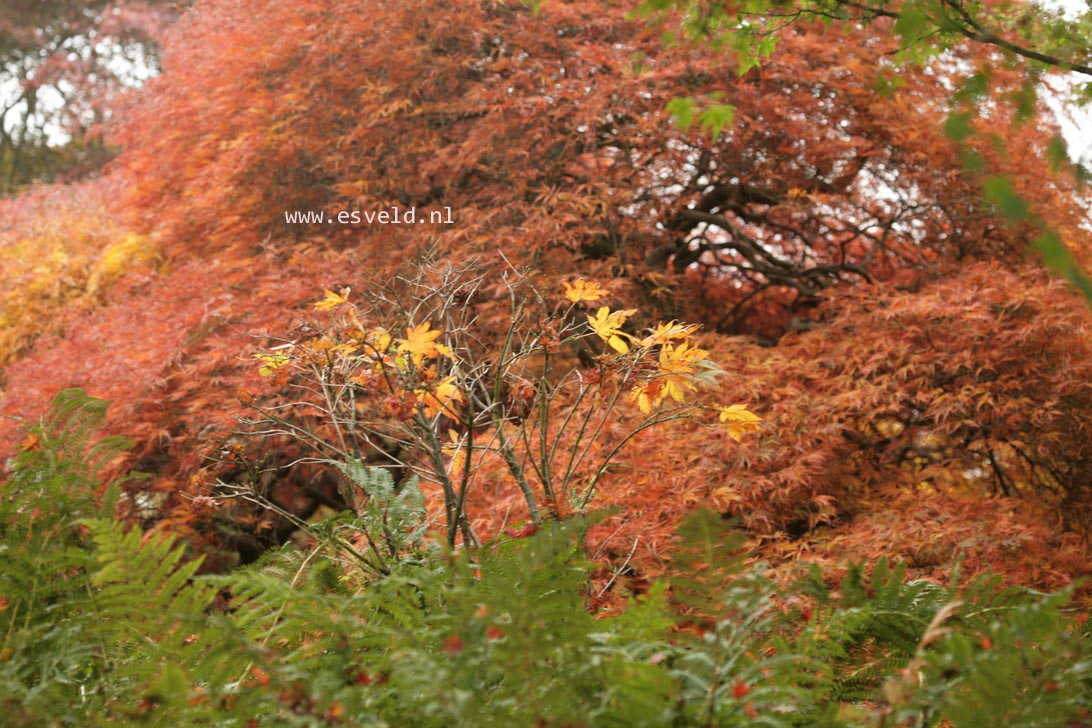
(740, 670)
(711, 553)
(1030, 667)
(392, 519)
(873, 627)
(45, 559)
(106, 625)
(162, 651)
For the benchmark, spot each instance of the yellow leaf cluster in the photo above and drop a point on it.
(441, 399)
(332, 300)
(608, 326)
(665, 333)
(378, 339)
(581, 290)
(118, 258)
(59, 247)
(271, 363)
(675, 374)
(740, 421)
(420, 344)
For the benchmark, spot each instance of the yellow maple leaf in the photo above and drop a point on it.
(670, 331)
(676, 373)
(332, 300)
(608, 325)
(420, 343)
(740, 420)
(441, 398)
(455, 450)
(319, 343)
(678, 364)
(379, 339)
(582, 290)
(648, 395)
(272, 362)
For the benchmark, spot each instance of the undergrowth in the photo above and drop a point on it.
(379, 623)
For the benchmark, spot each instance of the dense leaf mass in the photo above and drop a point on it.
(925, 386)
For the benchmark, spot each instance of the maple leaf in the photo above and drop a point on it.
(332, 300)
(441, 398)
(608, 325)
(648, 395)
(677, 372)
(379, 339)
(272, 362)
(454, 449)
(678, 364)
(740, 421)
(582, 290)
(669, 331)
(420, 344)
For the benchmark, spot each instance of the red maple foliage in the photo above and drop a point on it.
(924, 383)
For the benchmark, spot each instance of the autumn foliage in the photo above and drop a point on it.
(923, 383)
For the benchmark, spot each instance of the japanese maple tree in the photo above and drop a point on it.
(905, 349)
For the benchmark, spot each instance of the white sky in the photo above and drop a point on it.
(1076, 123)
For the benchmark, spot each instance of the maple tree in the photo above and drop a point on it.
(903, 348)
(62, 249)
(362, 394)
(1026, 38)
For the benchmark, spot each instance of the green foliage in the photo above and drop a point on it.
(740, 668)
(1000, 192)
(1021, 664)
(393, 518)
(1058, 257)
(97, 621)
(104, 624)
(871, 627)
(45, 556)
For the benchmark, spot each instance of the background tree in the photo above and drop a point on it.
(62, 64)
(1027, 39)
